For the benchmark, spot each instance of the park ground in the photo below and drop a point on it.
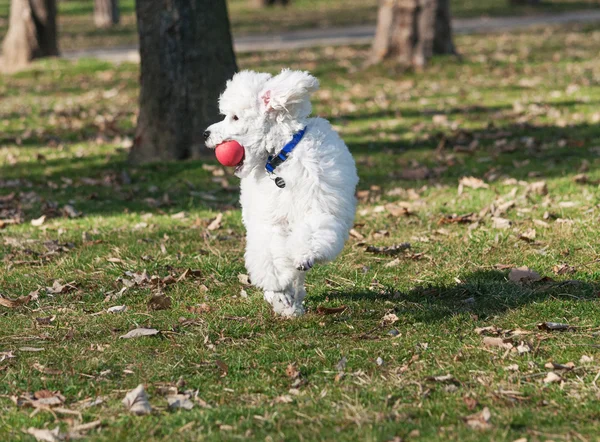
(77, 30)
(483, 164)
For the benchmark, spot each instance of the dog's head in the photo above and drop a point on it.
(262, 113)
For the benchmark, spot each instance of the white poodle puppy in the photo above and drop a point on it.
(298, 181)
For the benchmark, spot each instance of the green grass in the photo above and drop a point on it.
(77, 30)
(63, 126)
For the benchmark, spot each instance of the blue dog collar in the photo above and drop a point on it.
(274, 161)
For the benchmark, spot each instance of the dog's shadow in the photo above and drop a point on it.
(484, 293)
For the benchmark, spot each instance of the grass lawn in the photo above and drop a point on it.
(77, 30)
(519, 109)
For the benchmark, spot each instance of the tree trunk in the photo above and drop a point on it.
(106, 13)
(186, 57)
(524, 2)
(31, 33)
(443, 44)
(263, 3)
(412, 31)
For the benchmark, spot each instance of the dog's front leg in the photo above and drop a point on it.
(320, 238)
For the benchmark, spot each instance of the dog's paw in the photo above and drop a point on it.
(293, 311)
(284, 305)
(305, 265)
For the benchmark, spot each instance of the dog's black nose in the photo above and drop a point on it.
(206, 134)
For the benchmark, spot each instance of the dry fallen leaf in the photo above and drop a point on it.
(330, 310)
(459, 219)
(472, 182)
(292, 372)
(390, 318)
(46, 398)
(45, 435)
(500, 223)
(539, 188)
(180, 401)
(4, 355)
(552, 377)
(76, 429)
(523, 275)
(417, 173)
(189, 273)
(498, 342)
(490, 329)
(480, 421)
(390, 250)
(554, 326)
(59, 288)
(46, 370)
(356, 234)
(503, 208)
(46, 320)
(38, 221)
(244, 279)
(12, 303)
(223, 367)
(397, 211)
(447, 379)
(70, 211)
(556, 366)
(200, 308)
(215, 223)
(167, 280)
(117, 309)
(284, 399)
(568, 204)
(523, 347)
(470, 402)
(159, 301)
(528, 235)
(136, 401)
(136, 333)
(394, 263)
(564, 269)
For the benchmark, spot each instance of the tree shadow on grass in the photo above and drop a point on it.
(521, 151)
(469, 110)
(484, 293)
(541, 152)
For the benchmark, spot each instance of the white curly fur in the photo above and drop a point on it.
(306, 222)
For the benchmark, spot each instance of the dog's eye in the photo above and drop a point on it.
(235, 118)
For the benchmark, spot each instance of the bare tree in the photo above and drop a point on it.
(411, 31)
(106, 13)
(31, 33)
(186, 57)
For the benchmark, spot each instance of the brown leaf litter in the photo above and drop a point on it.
(136, 401)
(479, 421)
(139, 332)
(389, 250)
(14, 303)
(523, 275)
(321, 310)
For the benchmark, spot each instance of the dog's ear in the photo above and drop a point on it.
(289, 92)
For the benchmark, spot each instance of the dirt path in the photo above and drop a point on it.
(351, 35)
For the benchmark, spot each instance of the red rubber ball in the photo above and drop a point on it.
(229, 153)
